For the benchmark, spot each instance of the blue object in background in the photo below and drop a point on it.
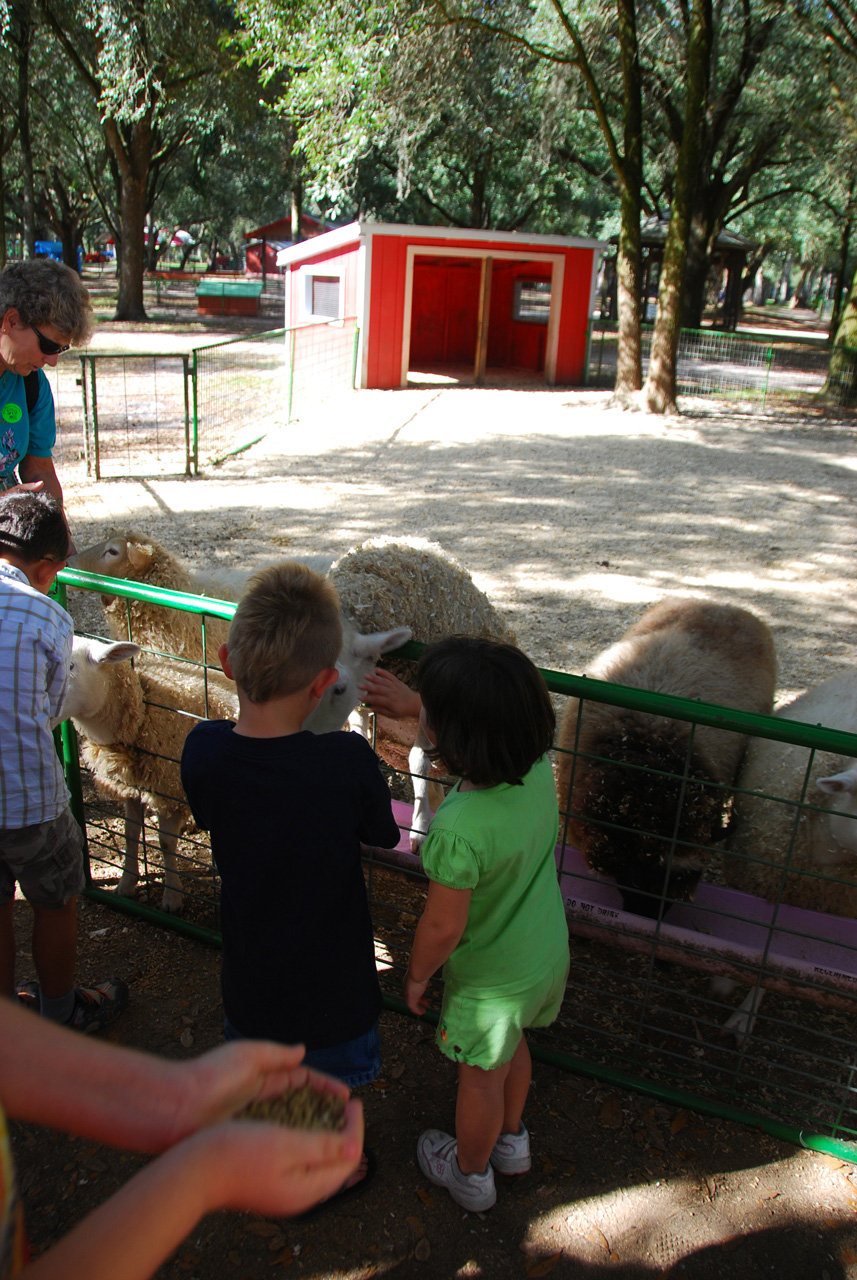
(49, 249)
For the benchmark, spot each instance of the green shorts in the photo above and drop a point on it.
(46, 860)
(485, 1030)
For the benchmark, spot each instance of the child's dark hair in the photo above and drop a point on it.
(487, 707)
(32, 527)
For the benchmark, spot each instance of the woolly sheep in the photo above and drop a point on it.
(133, 740)
(137, 558)
(389, 587)
(651, 830)
(765, 835)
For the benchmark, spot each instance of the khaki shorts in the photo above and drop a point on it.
(46, 860)
(485, 1031)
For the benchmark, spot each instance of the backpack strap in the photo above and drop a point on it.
(31, 388)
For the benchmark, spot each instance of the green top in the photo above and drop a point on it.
(500, 843)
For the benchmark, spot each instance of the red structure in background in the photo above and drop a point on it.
(437, 298)
(264, 243)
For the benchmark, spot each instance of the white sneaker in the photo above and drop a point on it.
(437, 1155)
(511, 1153)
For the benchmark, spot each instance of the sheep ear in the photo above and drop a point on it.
(380, 642)
(139, 555)
(121, 651)
(839, 782)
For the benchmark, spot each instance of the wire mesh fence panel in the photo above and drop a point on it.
(240, 393)
(66, 381)
(136, 413)
(321, 363)
(729, 987)
(749, 371)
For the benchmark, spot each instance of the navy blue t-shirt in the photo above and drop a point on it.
(287, 816)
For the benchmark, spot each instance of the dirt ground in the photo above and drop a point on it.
(573, 517)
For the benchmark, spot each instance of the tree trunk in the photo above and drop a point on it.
(297, 209)
(23, 44)
(2, 213)
(133, 156)
(696, 273)
(659, 393)
(841, 380)
(629, 377)
(840, 280)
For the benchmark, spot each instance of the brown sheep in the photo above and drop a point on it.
(651, 830)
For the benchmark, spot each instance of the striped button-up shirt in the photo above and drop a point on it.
(35, 651)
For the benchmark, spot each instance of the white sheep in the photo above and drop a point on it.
(645, 794)
(390, 588)
(136, 558)
(776, 841)
(134, 722)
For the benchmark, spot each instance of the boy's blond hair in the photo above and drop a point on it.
(286, 630)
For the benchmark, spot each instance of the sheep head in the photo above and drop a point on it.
(359, 655)
(643, 812)
(97, 698)
(122, 556)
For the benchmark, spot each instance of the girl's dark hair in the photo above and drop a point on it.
(487, 707)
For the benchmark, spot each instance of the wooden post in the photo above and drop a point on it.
(483, 322)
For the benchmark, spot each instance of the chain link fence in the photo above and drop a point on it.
(642, 1009)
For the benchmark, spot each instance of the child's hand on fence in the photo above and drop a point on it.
(385, 694)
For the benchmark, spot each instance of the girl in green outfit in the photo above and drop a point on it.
(494, 916)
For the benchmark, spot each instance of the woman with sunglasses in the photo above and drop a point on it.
(44, 310)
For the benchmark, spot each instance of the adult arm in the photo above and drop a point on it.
(131, 1099)
(253, 1166)
(32, 469)
(439, 931)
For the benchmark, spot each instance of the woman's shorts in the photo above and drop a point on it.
(354, 1062)
(484, 1031)
(46, 860)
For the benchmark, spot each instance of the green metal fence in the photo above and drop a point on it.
(753, 371)
(174, 412)
(640, 1010)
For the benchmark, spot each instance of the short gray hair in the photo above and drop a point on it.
(46, 292)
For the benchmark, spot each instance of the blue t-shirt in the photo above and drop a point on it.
(24, 431)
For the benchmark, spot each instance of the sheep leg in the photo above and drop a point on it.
(127, 885)
(741, 1023)
(420, 767)
(169, 828)
(359, 721)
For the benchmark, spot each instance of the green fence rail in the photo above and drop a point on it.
(640, 1011)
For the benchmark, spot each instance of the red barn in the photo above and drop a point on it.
(435, 298)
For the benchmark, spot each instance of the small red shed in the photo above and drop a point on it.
(435, 298)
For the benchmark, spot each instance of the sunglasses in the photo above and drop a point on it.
(47, 347)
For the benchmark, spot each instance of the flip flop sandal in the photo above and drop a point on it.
(344, 1193)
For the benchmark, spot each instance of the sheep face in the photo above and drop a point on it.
(118, 557)
(87, 688)
(359, 656)
(643, 815)
(842, 790)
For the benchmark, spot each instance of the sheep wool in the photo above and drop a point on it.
(777, 847)
(643, 799)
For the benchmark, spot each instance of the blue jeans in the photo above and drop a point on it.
(354, 1062)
